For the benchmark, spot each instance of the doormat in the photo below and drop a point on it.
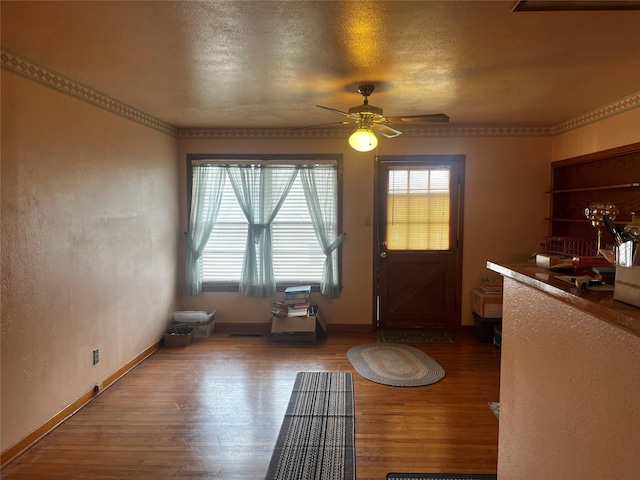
(441, 476)
(413, 337)
(317, 435)
(395, 365)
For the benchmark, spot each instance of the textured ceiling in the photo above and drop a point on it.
(266, 64)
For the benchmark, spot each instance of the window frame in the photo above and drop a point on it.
(275, 158)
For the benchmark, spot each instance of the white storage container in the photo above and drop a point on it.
(627, 285)
(203, 321)
(191, 316)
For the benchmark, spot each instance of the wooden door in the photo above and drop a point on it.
(418, 238)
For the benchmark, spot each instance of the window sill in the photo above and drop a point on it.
(234, 287)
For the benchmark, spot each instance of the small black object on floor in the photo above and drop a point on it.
(484, 327)
(441, 476)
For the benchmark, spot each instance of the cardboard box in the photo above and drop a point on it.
(486, 305)
(179, 335)
(547, 261)
(297, 329)
(627, 286)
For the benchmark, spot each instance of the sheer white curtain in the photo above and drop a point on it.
(260, 190)
(321, 182)
(206, 192)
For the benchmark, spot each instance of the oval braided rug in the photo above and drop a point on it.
(395, 365)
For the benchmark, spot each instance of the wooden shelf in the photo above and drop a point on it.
(593, 189)
(611, 176)
(570, 220)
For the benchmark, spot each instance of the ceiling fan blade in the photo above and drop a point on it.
(434, 117)
(344, 122)
(334, 110)
(386, 130)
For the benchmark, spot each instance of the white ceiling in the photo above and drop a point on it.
(266, 64)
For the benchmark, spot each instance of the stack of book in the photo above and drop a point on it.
(294, 304)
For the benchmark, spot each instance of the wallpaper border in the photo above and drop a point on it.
(38, 73)
(29, 69)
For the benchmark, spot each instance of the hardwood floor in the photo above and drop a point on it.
(214, 410)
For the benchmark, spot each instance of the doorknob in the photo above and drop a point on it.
(383, 254)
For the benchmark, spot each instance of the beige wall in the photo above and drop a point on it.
(505, 206)
(89, 248)
(615, 131)
(569, 390)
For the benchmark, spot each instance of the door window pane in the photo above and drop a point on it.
(418, 209)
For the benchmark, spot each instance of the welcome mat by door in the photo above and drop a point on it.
(413, 337)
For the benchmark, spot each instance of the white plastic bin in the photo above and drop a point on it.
(202, 321)
(191, 316)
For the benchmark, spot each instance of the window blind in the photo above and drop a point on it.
(418, 209)
(297, 256)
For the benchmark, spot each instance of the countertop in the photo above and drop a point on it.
(598, 304)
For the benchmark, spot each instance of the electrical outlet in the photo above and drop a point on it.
(96, 355)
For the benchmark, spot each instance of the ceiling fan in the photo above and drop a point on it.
(369, 118)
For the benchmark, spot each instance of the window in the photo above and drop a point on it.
(418, 209)
(272, 222)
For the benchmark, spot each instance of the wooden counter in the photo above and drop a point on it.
(599, 304)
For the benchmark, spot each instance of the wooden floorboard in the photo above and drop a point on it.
(214, 409)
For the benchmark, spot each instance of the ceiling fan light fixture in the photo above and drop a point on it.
(363, 140)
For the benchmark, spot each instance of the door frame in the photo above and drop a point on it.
(419, 160)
